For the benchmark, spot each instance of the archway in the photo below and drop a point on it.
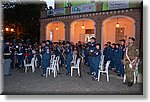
(82, 30)
(55, 31)
(116, 28)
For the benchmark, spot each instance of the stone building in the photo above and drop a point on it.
(118, 20)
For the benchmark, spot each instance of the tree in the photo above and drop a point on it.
(26, 14)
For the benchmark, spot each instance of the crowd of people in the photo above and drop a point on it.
(119, 54)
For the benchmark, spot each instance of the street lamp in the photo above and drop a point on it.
(7, 29)
(11, 29)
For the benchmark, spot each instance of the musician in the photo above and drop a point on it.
(96, 58)
(91, 54)
(130, 59)
(69, 57)
(7, 58)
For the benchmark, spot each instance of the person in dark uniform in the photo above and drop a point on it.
(20, 55)
(69, 57)
(30, 53)
(107, 52)
(96, 58)
(118, 56)
(7, 58)
(88, 53)
(46, 56)
(92, 48)
(112, 58)
(122, 48)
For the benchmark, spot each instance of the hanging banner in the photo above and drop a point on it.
(56, 12)
(83, 8)
(118, 4)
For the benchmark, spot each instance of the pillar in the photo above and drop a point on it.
(67, 31)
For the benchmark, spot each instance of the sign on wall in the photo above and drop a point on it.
(118, 4)
(56, 12)
(83, 8)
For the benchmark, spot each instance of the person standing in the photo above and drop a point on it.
(69, 57)
(91, 54)
(7, 58)
(20, 55)
(46, 57)
(122, 48)
(96, 58)
(130, 59)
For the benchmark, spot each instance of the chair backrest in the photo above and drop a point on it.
(74, 59)
(57, 58)
(107, 65)
(101, 64)
(24, 62)
(53, 65)
(52, 58)
(137, 64)
(78, 62)
(32, 61)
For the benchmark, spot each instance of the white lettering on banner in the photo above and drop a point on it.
(118, 4)
(54, 12)
(83, 8)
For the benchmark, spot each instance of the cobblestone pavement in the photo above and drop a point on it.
(33, 83)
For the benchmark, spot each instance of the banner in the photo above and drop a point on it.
(83, 8)
(56, 12)
(118, 4)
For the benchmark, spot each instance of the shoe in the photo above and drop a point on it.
(69, 74)
(95, 79)
(125, 83)
(43, 75)
(119, 75)
(130, 84)
(7, 75)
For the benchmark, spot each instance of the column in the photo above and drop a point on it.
(67, 31)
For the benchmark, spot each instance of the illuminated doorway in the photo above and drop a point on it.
(116, 28)
(82, 30)
(55, 31)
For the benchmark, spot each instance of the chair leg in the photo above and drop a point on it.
(71, 71)
(107, 77)
(25, 69)
(134, 78)
(54, 72)
(78, 71)
(124, 79)
(99, 74)
(33, 69)
(47, 72)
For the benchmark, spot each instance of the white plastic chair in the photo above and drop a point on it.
(57, 63)
(101, 64)
(29, 65)
(53, 68)
(105, 71)
(135, 72)
(74, 59)
(52, 58)
(76, 66)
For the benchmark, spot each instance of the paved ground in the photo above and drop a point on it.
(33, 83)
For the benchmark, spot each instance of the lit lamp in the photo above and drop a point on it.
(6, 29)
(56, 28)
(83, 27)
(117, 25)
(11, 29)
